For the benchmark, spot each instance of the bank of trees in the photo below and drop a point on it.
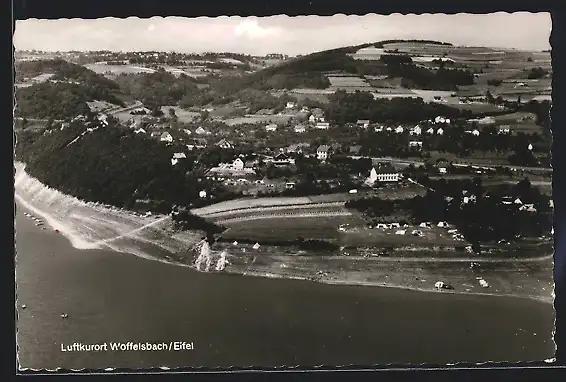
(486, 220)
(114, 166)
(349, 107)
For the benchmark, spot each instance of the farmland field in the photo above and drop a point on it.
(347, 82)
(102, 68)
(250, 203)
(290, 228)
(183, 115)
(253, 119)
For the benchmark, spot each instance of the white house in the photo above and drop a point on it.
(166, 137)
(238, 164)
(382, 174)
(187, 131)
(440, 119)
(416, 144)
(430, 131)
(322, 152)
(363, 123)
(202, 194)
(271, 128)
(290, 105)
(312, 118)
(440, 131)
(300, 129)
(399, 130)
(323, 125)
(200, 131)
(179, 156)
(140, 131)
(416, 130)
(503, 129)
(530, 147)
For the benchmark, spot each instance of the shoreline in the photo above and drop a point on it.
(236, 266)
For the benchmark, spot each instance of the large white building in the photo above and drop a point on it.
(385, 173)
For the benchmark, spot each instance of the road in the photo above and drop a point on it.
(407, 162)
(125, 109)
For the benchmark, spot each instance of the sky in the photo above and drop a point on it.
(281, 34)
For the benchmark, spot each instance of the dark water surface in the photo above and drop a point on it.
(248, 321)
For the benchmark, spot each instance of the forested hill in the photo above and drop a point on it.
(309, 71)
(64, 94)
(113, 165)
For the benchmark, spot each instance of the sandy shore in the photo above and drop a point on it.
(90, 225)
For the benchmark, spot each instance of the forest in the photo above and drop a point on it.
(115, 166)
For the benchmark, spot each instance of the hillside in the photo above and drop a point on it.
(60, 89)
(312, 71)
(110, 164)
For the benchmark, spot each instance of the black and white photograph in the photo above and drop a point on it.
(282, 192)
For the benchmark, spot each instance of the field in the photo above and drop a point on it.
(102, 68)
(514, 118)
(347, 82)
(256, 119)
(183, 115)
(250, 203)
(283, 229)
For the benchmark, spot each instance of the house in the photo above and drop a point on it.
(200, 131)
(200, 143)
(378, 129)
(290, 185)
(399, 130)
(179, 156)
(355, 150)
(474, 132)
(271, 128)
(440, 119)
(363, 123)
(385, 173)
(140, 130)
(283, 159)
(166, 137)
(323, 152)
(440, 131)
(290, 105)
(312, 118)
(416, 130)
(187, 131)
(505, 129)
(238, 164)
(416, 145)
(300, 129)
(224, 144)
(322, 125)
(190, 147)
(528, 208)
(202, 194)
(430, 131)
(530, 147)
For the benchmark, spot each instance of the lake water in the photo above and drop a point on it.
(246, 321)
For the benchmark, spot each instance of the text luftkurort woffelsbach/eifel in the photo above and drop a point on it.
(128, 346)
